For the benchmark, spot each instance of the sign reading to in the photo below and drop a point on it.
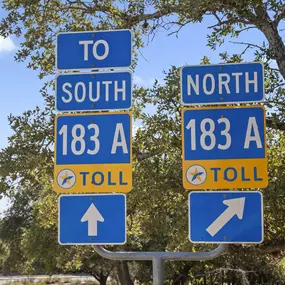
(92, 219)
(224, 83)
(93, 153)
(94, 91)
(225, 217)
(224, 148)
(93, 50)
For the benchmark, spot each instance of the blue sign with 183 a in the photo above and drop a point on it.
(94, 91)
(225, 217)
(93, 153)
(92, 219)
(93, 138)
(223, 83)
(93, 50)
(224, 133)
(224, 147)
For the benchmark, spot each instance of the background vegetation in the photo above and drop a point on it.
(157, 206)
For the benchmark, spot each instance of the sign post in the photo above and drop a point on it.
(93, 151)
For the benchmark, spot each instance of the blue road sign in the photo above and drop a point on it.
(92, 219)
(225, 217)
(222, 84)
(224, 147)
(94, 91)
(93, 50)
(93, 153)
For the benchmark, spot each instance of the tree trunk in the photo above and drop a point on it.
(270, 30)
(277, 47)
(101, 278)
(124, 274)
(182, 278)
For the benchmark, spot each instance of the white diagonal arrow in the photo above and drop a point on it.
(235, 207)
(92, 216)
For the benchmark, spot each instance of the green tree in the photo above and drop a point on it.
(157, 206)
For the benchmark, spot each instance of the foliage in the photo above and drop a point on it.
(157, 206)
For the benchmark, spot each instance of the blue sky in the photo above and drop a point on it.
(20, 86)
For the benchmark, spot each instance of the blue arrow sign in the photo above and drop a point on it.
(94, 91)
(225, 217)
(223, 83)
(92, 219)
(93, 50)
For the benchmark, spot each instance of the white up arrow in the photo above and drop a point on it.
(235, 207)
(92, 216)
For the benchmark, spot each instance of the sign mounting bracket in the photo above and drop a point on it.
(158, 258)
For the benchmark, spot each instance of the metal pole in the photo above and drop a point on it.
(159, 257)
(165, 255)
(157, 271)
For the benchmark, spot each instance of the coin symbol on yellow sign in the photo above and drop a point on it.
(196, 174)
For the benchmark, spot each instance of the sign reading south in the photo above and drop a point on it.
(221, 84)
(93, 153)
(94, 91)
(225, 217)
(93, 50)
(92, 219)
(224, 147)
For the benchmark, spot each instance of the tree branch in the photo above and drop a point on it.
(228, 22)
(272, 248)
(274, 124)
(280, 16)
(250, 45)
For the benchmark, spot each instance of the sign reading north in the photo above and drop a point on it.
(92, 219)
(225, 217)
(93, 50)
(93, 153)
(224, 83)
(224, 147)
(94, 91)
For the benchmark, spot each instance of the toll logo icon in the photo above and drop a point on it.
(196, 174)
(66, 178)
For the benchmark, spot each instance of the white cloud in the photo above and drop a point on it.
(138, 80)
(6, 44)
(146, 83)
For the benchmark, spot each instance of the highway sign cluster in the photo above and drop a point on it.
(93, 151)
(224, 148)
